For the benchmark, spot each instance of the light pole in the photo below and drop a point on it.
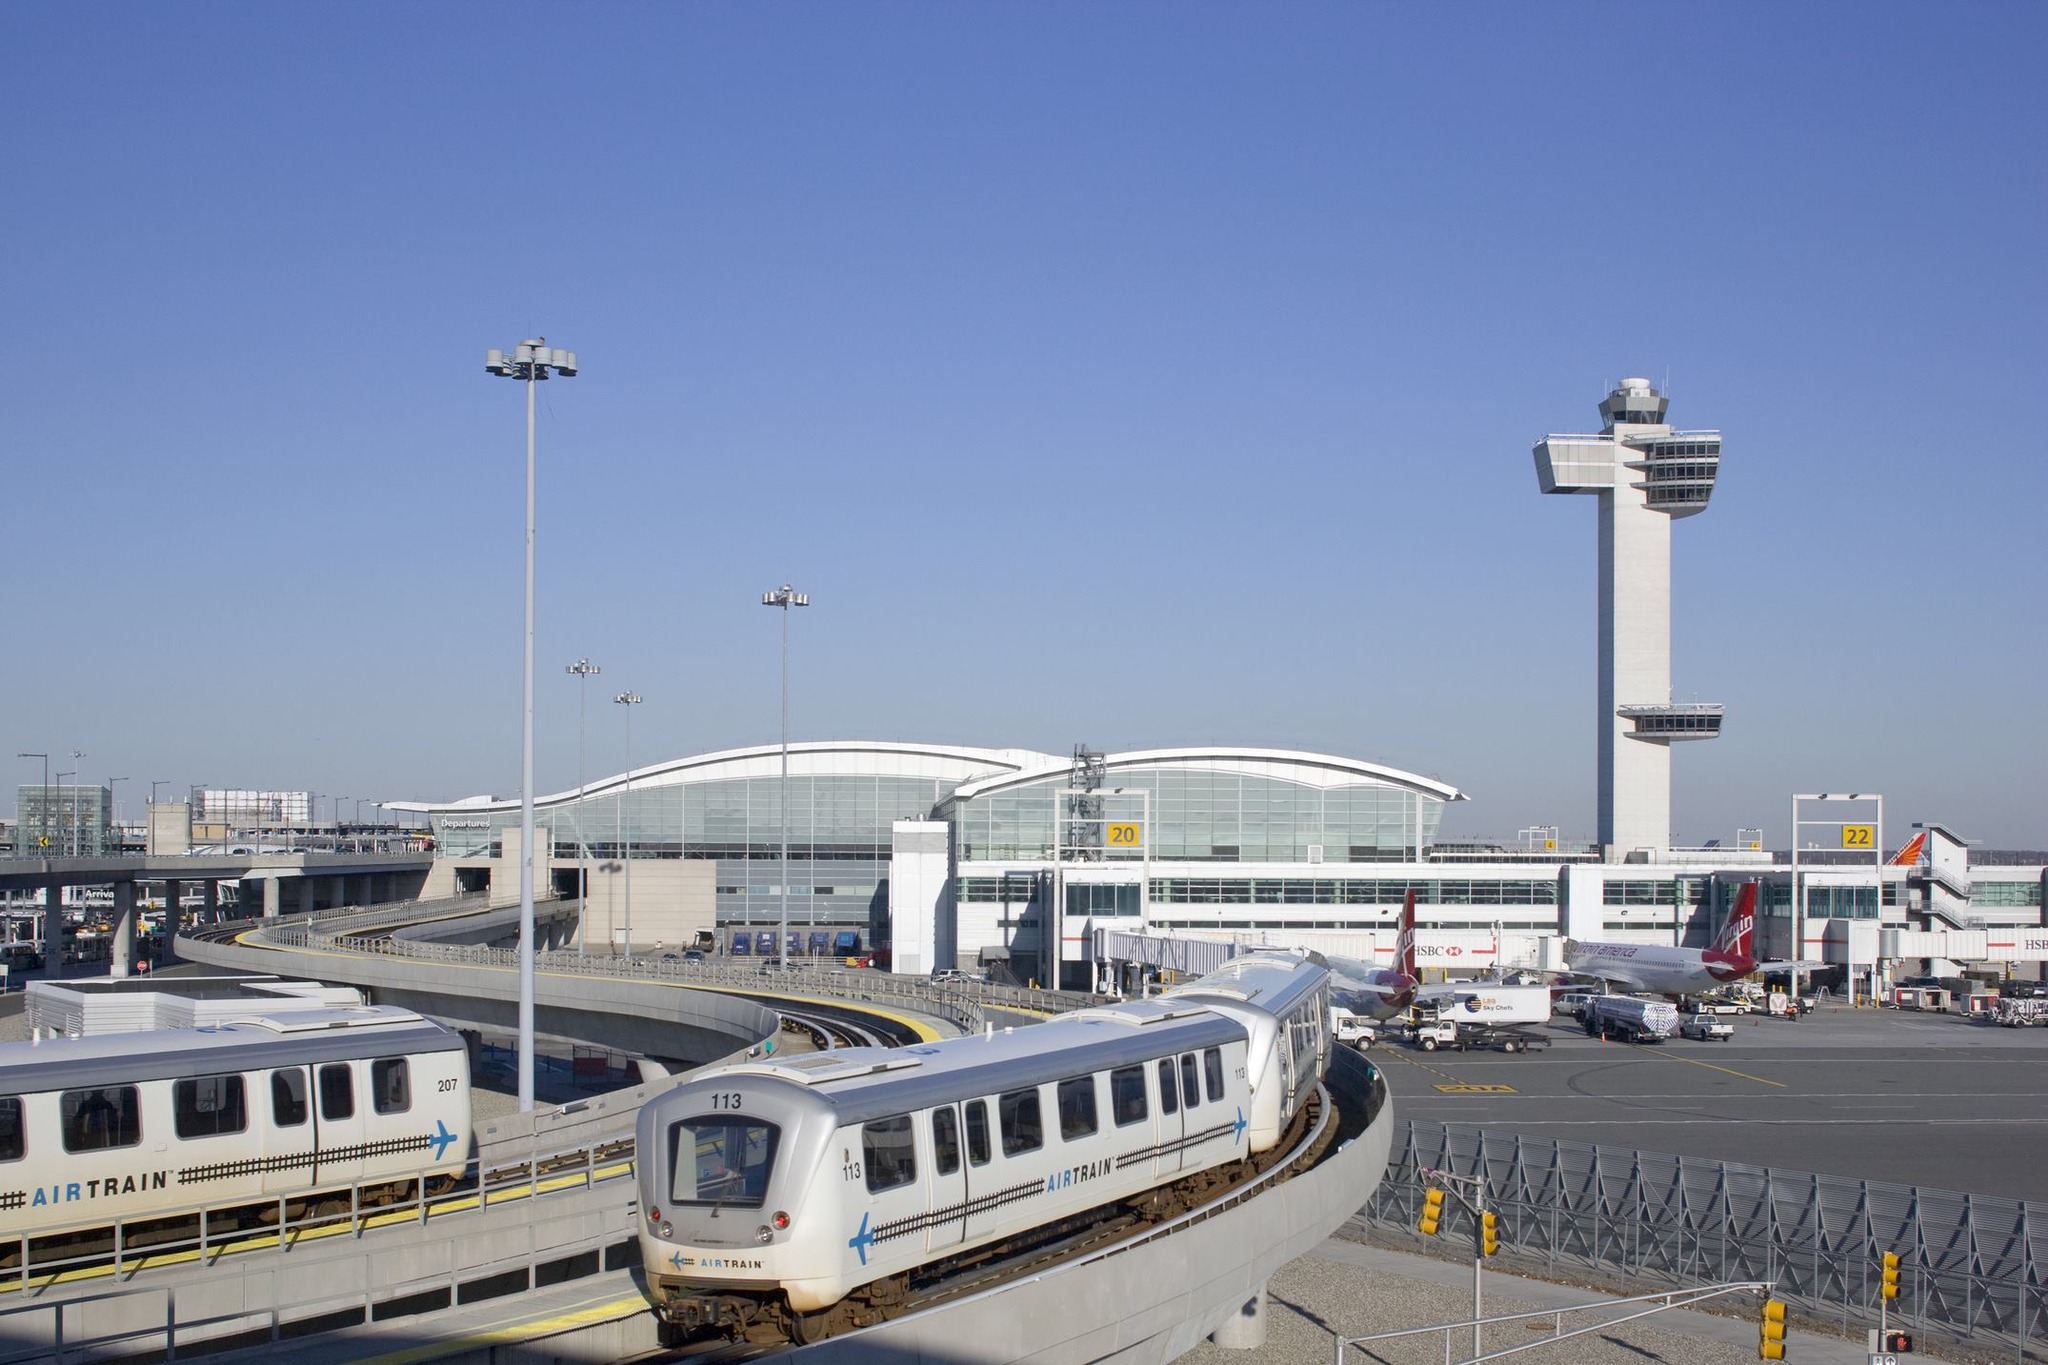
(115, 806)
(530, 362)
(45, 847)
(583, 671)
(629, 700)
(785, 597)
(76, 754)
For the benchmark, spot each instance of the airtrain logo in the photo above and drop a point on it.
(76, 1190)
(680, 1261)
(440, 1138)
(1075, 1175)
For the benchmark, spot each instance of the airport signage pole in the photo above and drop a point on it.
(629, 700)
(115, 811)
(530, 363)
(76, 772)
(785, 597)
(583, 671)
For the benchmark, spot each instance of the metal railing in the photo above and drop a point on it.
(1975, 1267)
(1663, 1303)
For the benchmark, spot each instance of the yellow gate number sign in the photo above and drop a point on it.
(1859, 836)
(1126, 836)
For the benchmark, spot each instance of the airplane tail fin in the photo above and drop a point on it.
(1738, 935)
(1404, 946)
(1909, 856)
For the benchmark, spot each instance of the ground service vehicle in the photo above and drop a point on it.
(806, 1196)
(1351, 1030)
(1630, 1018)
(230, 1118)
(2017, 1012)
(1707, 1028)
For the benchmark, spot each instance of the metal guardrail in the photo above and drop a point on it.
(960, 1003)
(1975, 1268)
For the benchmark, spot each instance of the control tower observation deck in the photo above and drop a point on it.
(1645, 472)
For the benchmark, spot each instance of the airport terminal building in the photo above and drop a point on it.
(1070, 869)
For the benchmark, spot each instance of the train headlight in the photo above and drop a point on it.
(764, 1234)
(780, 1220)
(654, 1215)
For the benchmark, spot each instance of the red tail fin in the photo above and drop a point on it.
(1738, 935)
(1404, 946)
(1909, 856)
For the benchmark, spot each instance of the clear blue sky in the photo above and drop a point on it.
(1136, 374)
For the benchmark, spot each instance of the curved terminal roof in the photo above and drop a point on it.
(814, 758)
(1314, 770)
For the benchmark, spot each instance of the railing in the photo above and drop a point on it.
(1972, 1267)
(960, 1003)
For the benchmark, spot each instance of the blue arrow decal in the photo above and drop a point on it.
(862, 1240)
(440, 1139)
(1237, 1133)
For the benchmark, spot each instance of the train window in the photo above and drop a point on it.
(723, 1162)
(337, 1092)
(1190, 1086)
(390, 1085)
(208, 1106)
(1077, 1108)
(946, 1140)
(890, 1155)
(288, 1098)
(1169, 1096)
(95, 1120)
(1127, 1095)
(13, 1144)
(1212, 1072)
(1023, 1129)
(977, 1132)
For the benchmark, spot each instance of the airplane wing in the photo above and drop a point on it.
(1793, 966)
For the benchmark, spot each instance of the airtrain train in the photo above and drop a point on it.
(802, 1196)
(146, 1128)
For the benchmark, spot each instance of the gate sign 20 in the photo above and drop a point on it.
(1126, 836)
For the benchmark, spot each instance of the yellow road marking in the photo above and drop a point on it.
(1477, 1089)
(1694, 1061)
(502, 1336)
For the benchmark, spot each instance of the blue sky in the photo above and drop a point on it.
(1136, 374)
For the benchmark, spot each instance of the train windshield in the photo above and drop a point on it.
(724, 1161)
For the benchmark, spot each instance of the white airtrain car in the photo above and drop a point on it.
(137, 1126)
(809, 1194)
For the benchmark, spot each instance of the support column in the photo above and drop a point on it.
(122, 960)
(1244, 1330)
(306, 906)
(174, 910)
(209, 903)
(273, 897)
(53, 928)
(338, 890)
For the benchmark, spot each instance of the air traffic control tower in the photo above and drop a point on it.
(1644, 472)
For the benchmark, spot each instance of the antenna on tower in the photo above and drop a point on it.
(1667, 379)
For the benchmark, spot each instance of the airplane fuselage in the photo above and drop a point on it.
(1653, 969)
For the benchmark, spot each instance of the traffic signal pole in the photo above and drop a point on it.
(1485, 1232)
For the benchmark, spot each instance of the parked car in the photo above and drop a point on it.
(693, 957)
(1573, 1003)
(1707, 1028)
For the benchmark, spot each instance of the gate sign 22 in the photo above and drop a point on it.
(1859, 836)
(1126, 836)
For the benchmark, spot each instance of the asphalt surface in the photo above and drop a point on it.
(1916, 1099)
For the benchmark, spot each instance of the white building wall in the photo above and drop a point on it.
(919, 880)
(1635, 666)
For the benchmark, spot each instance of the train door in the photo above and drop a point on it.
(339, 1124)
(976, 1137)
(1172, 1123)
(948, 1192)
(288, 1136)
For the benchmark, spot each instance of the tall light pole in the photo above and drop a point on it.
(583, 671)
(530, 362)
(785, 597)
(76, 754)
(45, 847)
(629, 700)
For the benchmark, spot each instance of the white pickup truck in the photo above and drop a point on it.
(1353, 1030)
(1707, 1028)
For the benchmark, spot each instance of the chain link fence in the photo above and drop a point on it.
(1972, 1266)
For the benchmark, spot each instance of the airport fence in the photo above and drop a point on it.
(1972, 1266)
